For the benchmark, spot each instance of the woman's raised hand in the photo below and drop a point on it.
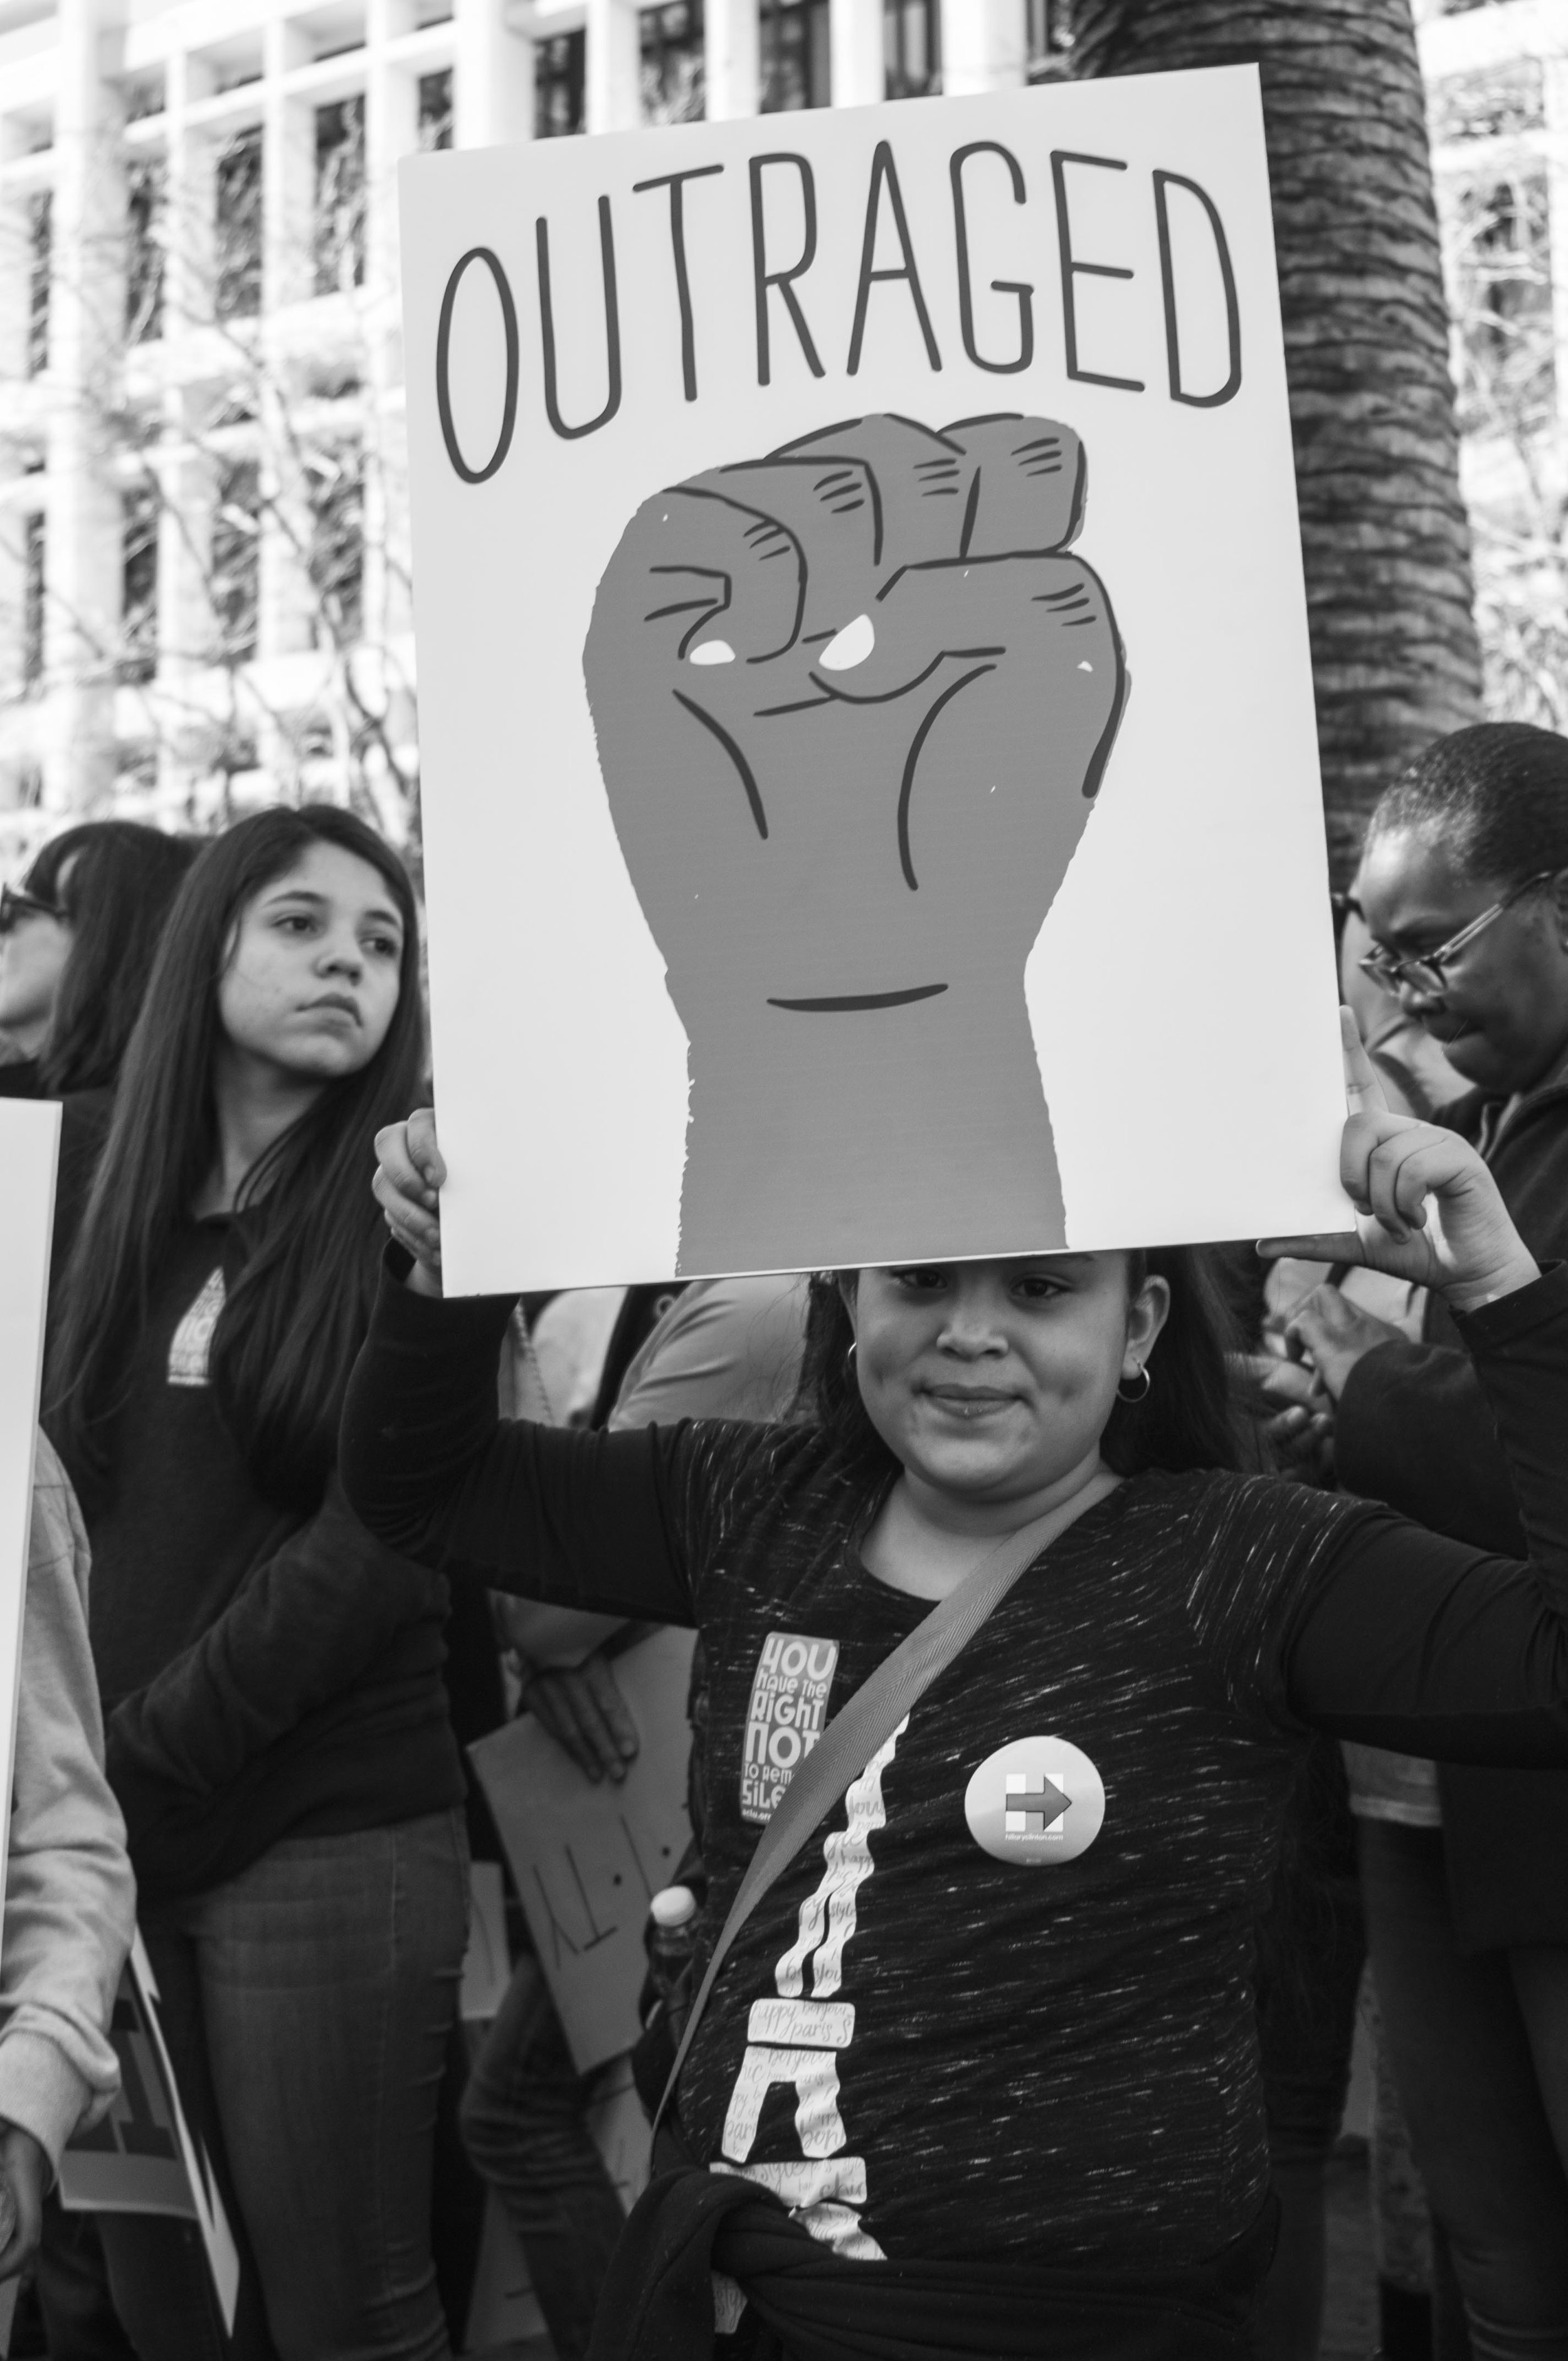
(1427, 1209)
(409, 1176)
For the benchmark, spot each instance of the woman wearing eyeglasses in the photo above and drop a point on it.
(77, 939)
(1463, 887)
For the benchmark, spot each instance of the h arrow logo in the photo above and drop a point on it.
(1035, 1805)
(1037, 1802)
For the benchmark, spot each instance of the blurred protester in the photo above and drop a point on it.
(70, 1898)
(1037, 2144)
(718, 1348)
(1463, 886)
(278, 1731)
(77, 941)
(77, 944)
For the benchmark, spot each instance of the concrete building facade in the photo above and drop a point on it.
(204, 575)
(203, 564)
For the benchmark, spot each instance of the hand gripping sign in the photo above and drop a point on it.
(812, 881)
(853, 701)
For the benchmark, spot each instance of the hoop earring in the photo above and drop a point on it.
(1143, 1393)
(853, 1350)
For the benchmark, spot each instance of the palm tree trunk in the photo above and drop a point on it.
(1387, 547)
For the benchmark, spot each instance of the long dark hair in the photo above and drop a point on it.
(297, 1312)
(114, 881)
(1187, 1419)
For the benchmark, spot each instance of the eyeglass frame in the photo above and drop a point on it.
(15, 902)
(1385, 969)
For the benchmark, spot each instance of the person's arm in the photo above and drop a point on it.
(303, 1626)
(69, 1910)
(558, 1513)
(1415, 1429)
(1411, 1641)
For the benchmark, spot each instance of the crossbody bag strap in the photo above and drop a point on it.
(869, 1719)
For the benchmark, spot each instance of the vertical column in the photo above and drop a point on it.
(83, 553)
(492, 95)
(1556, 118)
(613, 98)
(16, 258)
(286, 620)
(191, 202)
(855, 42)
(391, 132)
(983, 46)
(186, 625)
(731, 67)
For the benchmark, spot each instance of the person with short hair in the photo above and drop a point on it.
(279, 1736)
(1463, 887)
(967, 2087)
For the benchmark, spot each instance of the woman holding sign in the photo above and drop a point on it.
(978, 2074)
(278, 1731)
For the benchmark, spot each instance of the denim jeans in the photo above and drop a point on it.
(307, 2005)
(524, 2131)
(1479, 2049)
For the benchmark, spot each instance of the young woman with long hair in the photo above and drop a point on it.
(278, 1731)
(964, 2087)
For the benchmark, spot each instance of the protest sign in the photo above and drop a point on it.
(29, 1141)
(143, 2157)
(587, 1858)
(869, 774)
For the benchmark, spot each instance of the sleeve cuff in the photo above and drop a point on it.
(406, 1318)
(1497, 1325)
(41, 2092)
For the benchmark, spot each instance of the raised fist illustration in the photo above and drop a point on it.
(853, 702)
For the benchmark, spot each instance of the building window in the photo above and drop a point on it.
(145, 98)
(338, 219)
(235, 579)
(33, 605)
(559, 70)
(911, 48)
(435, 108)
(139, 584)
(236, 293)
(1049, 34)
(337, 481)
(794, 55)
(672, 72)
(39, 248)
(146, 181)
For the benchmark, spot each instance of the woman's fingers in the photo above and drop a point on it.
(1363, 1092)
(1316, 1245)
(423, 1149)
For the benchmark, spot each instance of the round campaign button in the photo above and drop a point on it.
(1035, 1801)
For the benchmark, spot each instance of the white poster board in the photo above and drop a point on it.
(587, 1858)
(143, 2158)
(29, 1145)
(870, 792)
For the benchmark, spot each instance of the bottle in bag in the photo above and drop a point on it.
(670, 1945)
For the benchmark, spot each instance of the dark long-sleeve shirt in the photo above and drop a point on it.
(1415, 1429)
(929, 2048)
(264, 1673)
